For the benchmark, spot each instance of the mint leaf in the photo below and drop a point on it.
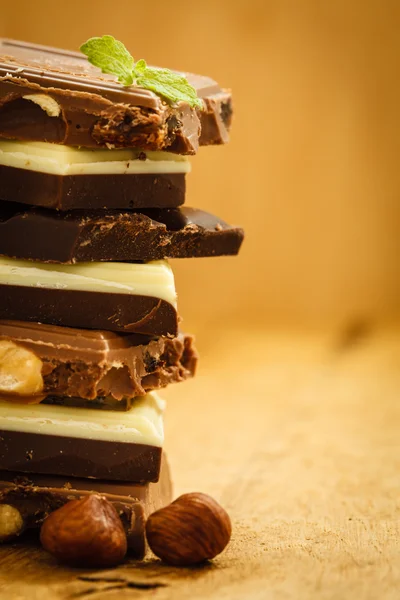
(110, 56)
(172, 86)
(113, 58)
(140, 67)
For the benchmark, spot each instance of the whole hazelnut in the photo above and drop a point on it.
(86, 532)
(189, 531)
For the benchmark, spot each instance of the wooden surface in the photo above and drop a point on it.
(298, 436)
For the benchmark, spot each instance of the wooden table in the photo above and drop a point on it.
(298, 436)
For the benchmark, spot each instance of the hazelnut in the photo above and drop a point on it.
(86, 532)
(46, 103)
(11, 522)
(20, 370)
(189, 531)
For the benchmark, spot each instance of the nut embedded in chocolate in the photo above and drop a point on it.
(85, 533)
(11, 522)
(95, 110)
(20, 370)
(191, 530)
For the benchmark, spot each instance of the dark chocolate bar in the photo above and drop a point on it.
(86, 364)
(78, 457)
(66, 192)
(79, 236)
(89, 310)
(36, 496)
(95, 110)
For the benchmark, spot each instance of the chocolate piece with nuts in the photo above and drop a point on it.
(38, 360)
(53, 95)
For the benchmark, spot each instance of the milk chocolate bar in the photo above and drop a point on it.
(53, 95)
(86, 364)
(134, 298)
(79, 236)
(65, 178)
(36, 496)
(83, 442)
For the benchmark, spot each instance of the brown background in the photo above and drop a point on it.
(312, 169)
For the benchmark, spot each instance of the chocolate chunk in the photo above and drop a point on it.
(36, 496)
(79, 236)
(90, 109)
(91, 310)
(66, 192)
(95, 364)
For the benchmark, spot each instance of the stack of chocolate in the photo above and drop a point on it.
(92, 175)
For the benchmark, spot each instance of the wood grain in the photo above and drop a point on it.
(298, 436)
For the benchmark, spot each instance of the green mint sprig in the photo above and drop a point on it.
(113, 58)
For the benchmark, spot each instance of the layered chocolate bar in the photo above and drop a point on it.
(124, 297)
(83, 442)
(34, 497)
(79, 236)
(66, 178)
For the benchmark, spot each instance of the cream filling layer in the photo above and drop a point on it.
(150, 279)
(142, 424)
(56, 159)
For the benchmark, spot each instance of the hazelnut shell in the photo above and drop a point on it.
(86, 532)
(192, 529)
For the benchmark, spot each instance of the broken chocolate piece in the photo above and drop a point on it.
(79, 236)
(87, 364)
(53, 95)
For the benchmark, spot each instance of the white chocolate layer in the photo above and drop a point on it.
(142, 424)
(150, 279)
(56, 159)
